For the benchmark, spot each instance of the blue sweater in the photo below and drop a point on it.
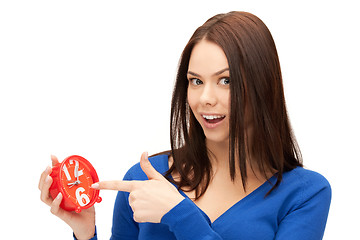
(297, 209)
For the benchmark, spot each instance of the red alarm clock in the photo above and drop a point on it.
(73, 178)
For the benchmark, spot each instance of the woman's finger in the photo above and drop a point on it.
(45, 195)
(55, 205)
(43, 176)
(47, 171)
(59, 212)
(124, 186)
(54, 160)
(148, 169)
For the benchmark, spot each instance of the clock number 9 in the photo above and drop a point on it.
(82, 199)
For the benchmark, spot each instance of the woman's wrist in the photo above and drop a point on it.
(85, 235)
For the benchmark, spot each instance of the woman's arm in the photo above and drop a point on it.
(187, 222)
(124, 226)
(308, 219)
(155, 200)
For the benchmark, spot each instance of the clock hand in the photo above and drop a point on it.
(76, 173)
(72, 184)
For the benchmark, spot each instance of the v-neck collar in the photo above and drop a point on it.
(251, 195)
(242, 201)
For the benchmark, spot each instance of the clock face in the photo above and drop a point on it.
(76, 180)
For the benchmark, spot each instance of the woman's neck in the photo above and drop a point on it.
(218, 154)
(219, 159)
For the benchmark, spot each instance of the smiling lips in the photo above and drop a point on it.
(211, 121)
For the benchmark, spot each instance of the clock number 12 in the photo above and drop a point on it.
(66, 171)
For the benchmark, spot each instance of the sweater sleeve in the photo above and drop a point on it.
(187, 222)
(308, 219)
(124, 227)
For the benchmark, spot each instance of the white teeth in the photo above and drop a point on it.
(210, 117)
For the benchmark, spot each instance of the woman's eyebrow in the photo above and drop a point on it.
(194, 74)
(221, 71)
(215, 74)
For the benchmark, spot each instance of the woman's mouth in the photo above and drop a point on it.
(211, 121)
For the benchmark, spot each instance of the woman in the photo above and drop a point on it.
(234, 170)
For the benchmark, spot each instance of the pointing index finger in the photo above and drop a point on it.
(124, 186)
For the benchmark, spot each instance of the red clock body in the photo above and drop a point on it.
(73, 178)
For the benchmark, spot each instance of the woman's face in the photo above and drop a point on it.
(209, 90)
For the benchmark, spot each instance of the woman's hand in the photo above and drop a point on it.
(83, 224)
(150, 200)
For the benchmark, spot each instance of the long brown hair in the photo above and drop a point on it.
(255, 81)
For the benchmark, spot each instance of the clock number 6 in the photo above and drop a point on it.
(82, 199)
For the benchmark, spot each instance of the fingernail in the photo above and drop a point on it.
(47, 169)
(95, 186)
(58, 196)
(146, 155)
(47, 179)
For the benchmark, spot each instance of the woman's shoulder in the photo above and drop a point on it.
(158, 161)
(303, 184)
(305, 177)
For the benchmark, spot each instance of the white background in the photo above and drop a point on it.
(95, 78)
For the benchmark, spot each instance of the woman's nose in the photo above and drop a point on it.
(208, 95)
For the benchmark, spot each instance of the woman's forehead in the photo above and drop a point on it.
(207, 58)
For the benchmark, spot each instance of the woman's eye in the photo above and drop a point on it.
(195, 81)
(224, 81)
